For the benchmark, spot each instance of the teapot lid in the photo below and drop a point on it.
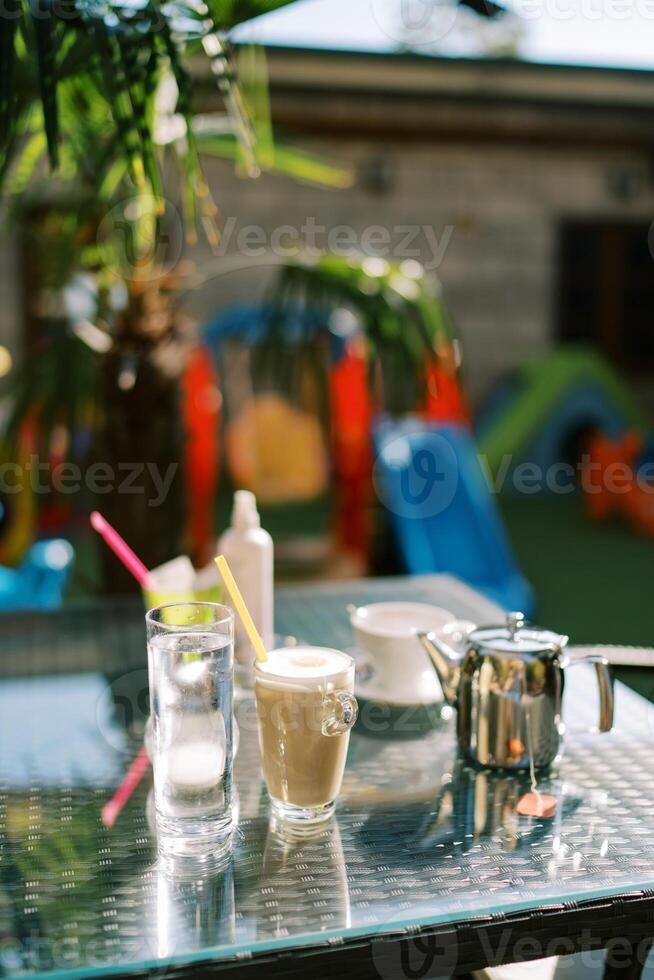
(517, 637)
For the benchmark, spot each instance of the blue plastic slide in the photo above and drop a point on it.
(441, 509)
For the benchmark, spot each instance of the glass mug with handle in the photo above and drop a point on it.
(305, 710)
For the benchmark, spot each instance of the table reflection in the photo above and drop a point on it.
(303, 880)
(185, 912)
(462, 806)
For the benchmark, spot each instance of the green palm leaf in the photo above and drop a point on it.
(45, 33)
(118, 95)
(137, 74)
(131, 45)
(229, 13)
(285, 160)
(8, 25)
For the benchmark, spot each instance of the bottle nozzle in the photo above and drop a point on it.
(245, 514)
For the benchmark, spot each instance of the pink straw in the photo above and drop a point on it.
(121, 549)
(133, 776)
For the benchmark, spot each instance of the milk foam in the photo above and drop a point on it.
(304, 664)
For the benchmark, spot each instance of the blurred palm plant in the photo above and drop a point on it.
(101, 93)
(395, 307)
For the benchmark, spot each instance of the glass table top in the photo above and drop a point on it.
(419, 837)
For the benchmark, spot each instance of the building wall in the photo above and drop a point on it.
(500, 205)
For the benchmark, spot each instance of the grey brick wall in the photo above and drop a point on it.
(504, 204)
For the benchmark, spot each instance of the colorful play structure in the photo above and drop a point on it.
(33, 574)
(425, 471)
(617, 479)
(438, 482)
(435, 474)
(544, 412)
(571, 408)
(39, 582)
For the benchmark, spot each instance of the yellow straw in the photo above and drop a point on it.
(241, 608)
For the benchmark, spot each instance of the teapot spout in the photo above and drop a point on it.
(446, 662)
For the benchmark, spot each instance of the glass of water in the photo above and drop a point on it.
(190, 668)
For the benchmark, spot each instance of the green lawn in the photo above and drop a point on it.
(592, 581)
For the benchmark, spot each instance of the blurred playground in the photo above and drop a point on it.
(342, 404)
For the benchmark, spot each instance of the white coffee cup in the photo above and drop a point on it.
(385, 633)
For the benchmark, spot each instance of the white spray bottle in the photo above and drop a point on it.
(248, 549)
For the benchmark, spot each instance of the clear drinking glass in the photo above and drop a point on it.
(190, 667)
(305, 710)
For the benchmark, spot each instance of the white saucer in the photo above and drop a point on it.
(367, 688)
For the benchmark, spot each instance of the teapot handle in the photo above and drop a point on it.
(605, 682)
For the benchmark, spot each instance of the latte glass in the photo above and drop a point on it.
(305, 710)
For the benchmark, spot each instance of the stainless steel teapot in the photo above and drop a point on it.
(507, 687)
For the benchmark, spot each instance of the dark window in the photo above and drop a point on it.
(606, 291)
